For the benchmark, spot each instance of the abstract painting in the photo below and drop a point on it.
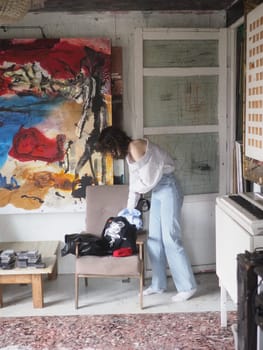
(55, 98)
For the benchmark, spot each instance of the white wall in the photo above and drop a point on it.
(120, 28)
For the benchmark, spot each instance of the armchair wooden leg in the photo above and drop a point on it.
(141, 291)
(76, 291)
(143, 269)
(1, 296)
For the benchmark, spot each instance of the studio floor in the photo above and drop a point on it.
(108, 296)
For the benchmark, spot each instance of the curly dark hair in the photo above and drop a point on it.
(114, 141)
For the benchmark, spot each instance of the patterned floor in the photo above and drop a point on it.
(176, 331)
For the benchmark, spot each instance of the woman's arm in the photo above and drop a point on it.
(133, 199)
(137, 149)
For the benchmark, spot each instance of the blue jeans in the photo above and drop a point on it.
(164, 242)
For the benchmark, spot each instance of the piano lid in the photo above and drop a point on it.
(241, 207)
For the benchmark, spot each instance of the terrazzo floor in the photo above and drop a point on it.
(108, 296)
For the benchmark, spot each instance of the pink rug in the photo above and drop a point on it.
(176, 331)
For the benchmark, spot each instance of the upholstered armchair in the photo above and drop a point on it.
(103, 202)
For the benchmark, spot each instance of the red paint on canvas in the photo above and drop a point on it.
(31, 144)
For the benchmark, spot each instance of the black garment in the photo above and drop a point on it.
(89, 244)
(119, 233)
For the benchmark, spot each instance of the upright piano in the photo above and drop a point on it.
(239, 228)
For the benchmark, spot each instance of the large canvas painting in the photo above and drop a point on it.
(55, 97)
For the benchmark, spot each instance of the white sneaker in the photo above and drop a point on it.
(150, 291)
(183, 296)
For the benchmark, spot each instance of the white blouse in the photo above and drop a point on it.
(147, 172)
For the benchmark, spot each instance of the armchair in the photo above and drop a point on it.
(101, 203)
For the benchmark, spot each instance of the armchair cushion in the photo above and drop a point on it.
(108, 265)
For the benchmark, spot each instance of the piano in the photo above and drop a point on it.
(239, 228)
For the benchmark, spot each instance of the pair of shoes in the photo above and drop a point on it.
(183, 296)
(150, 291)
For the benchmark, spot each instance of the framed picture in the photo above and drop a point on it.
(253, 133)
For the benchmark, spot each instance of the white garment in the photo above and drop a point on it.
(147, 172)
(133, 216)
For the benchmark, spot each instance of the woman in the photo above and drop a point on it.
(152, 169)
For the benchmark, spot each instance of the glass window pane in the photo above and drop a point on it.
(180, 53)
(197, 160)
(181, 101)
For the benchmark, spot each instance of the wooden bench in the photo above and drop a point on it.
(32, 275)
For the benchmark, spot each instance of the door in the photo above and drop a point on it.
(181, 103)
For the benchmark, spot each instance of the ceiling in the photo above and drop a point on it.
(140, 5)
(233, 8)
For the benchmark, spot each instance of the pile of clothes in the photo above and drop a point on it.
(118, 237)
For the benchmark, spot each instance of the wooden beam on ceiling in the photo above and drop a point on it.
(79, 6)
